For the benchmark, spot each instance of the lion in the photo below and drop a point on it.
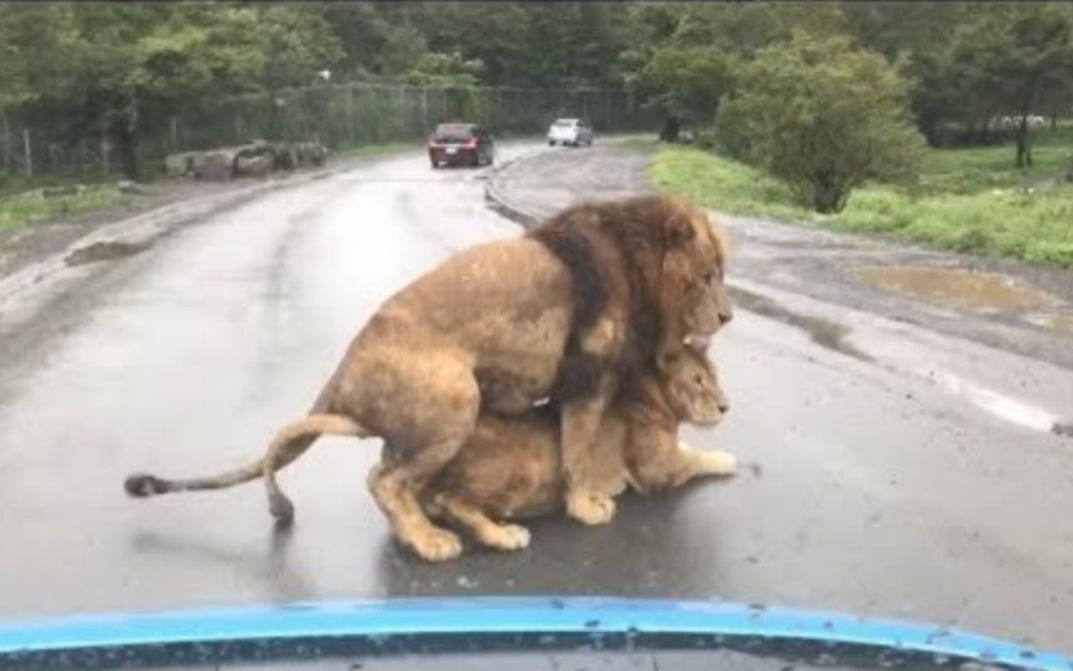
(510, 469)
(564, 311)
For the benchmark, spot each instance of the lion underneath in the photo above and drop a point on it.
(511, 468)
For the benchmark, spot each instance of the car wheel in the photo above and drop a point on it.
(551, 143)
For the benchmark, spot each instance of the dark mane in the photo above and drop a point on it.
(634, 227)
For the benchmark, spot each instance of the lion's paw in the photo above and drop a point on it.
(436, 545)
(717, 462)
(509, 537)
(590, 508)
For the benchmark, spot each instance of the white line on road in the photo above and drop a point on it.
(999, 405)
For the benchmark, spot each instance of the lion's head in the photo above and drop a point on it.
(693, 296)
(691, 387)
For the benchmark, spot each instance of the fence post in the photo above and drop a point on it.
(106, 147)
(174, 134)
(27, 153)
(351, 122)
(607, 108)
(424, 110)
(7, 145)
(238, 123)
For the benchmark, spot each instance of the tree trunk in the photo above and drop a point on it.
(126, 142)
(1024, 156)
(827, 193)
(669, 132)
(1024, 146)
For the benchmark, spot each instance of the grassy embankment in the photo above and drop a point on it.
(24, 202)
(967, 200)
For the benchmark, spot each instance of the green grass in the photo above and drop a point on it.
(966, 200)
(26, 208)
(22, 201)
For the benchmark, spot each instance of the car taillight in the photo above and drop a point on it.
(472, 144)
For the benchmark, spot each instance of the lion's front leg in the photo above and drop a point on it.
(699, 463)
(580, 428)
(658, 462)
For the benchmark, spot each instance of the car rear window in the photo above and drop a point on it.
(566, 122)
(449, 134)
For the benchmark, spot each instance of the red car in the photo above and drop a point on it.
(461, 144)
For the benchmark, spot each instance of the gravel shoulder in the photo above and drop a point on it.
(820, 264)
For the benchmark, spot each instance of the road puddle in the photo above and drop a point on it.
(1057, 323)
(823, 332)
(104, 251)
(956, 286)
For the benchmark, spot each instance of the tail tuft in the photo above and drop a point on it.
(141, 485)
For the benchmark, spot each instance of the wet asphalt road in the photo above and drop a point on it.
(891, 469)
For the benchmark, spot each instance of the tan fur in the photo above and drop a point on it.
(489, 328)
(510, 468)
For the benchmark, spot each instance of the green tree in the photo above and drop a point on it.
(824, 116)
(110, 69)
(1009, 54)
(686, 83)
(917, 35)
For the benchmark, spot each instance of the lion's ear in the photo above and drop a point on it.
(665, 360)
(679, 230)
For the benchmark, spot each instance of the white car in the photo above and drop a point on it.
(574, 132)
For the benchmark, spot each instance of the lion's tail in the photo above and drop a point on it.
(289, 444)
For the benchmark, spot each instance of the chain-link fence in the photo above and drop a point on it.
(340, 117)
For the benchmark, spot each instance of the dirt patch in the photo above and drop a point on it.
(104, 251)
(1058, 323)
(957, 286)
(823, 332)
(26, 245)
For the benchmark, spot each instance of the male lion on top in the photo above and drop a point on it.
(566, 310)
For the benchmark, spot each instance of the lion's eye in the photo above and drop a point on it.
(708, 277)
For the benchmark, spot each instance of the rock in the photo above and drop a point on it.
(128, 187)
(254, 166)
(284, 155)
(320, 154)
(214, 166)
(252, 149)
(179, 165)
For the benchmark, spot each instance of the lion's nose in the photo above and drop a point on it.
(725, 316)
(724, 406)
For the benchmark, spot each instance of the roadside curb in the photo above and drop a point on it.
(145, 228)
(500, 203)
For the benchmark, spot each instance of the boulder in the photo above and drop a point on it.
(128, 187)
(254, 166)
(179, 165)
(214, 166)
(285, 156)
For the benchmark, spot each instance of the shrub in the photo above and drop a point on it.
(823, 116)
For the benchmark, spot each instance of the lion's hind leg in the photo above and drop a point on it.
(488, 532)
